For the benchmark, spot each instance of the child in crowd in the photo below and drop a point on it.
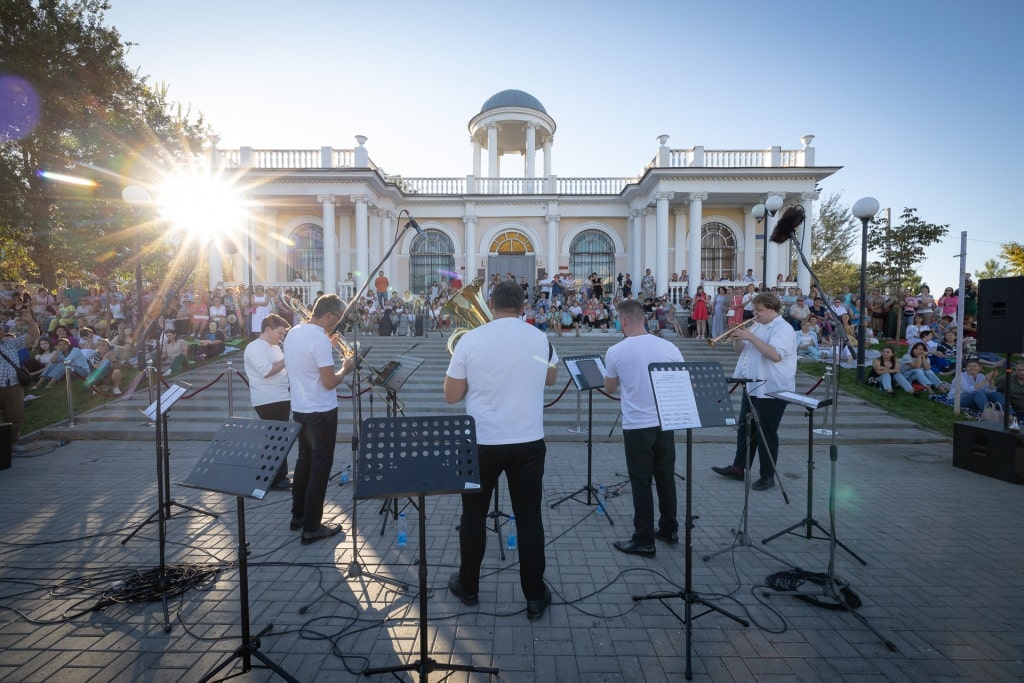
(807, 341)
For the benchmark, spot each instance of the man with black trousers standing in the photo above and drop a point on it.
(501, 369)
(650, 451)
(767, 358)
(311, 375)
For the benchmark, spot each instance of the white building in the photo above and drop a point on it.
(319, 214)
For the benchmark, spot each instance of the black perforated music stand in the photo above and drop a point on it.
(421, 456)
(690, 396)
(242, 461)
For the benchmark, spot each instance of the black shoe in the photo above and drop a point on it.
(535, 608)
(667, 536)
(631, 547)
(296, 523)
(455, 586)
(325, 531)
(284, 484)
(730, 472)
(763, 484)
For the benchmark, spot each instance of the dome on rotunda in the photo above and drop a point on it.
(512, 98)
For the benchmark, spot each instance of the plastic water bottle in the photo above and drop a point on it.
(600, 500)
(513, 538)
(403, 530)
(344, 476)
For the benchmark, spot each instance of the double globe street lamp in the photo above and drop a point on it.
(864, 209)
(761, 212)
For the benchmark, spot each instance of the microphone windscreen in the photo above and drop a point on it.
(786, 226)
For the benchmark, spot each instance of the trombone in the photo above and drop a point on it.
(726, 336)
(374, 378)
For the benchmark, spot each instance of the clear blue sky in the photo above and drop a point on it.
(919, 101)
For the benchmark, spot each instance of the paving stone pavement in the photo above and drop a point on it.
(943, 580)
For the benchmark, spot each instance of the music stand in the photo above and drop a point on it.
(242, 461)
(421, 456)
(809, 404)
(395, 376)
(690, 396)
(587, 373)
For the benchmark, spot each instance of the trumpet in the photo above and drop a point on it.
(725, 336)
(372, 377)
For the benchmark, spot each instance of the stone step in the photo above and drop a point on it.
(202, 411)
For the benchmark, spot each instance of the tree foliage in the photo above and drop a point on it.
(80, 111)
(834, 234)
(992, 268)
(901, 248)
(1013, 252)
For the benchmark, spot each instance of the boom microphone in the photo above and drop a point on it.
(786, 226)
(415, 226)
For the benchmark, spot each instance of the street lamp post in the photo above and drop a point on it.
(763, 212)
(864, 209)
(138, 197)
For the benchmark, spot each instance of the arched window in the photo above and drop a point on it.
(306, 254)
(511, 243)
(431, 259)
(592, 251)
(717, 252)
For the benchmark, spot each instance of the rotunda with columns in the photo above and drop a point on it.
(689, 211)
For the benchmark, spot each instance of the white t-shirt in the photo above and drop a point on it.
(259, 358)
(306, 350)
(505, 365)
(627, 361)
(780, 376)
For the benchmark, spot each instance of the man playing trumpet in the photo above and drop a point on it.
(767, 357)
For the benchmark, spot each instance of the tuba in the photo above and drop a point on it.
(373, 377)
(468, 308)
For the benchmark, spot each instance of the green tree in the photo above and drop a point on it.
(992, 268)
(834, 234)
(1013, 252)
(80, 111)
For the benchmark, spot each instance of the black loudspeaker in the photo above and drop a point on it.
(1001, 315)
(6, 433)
(420, 322)
(986, 448)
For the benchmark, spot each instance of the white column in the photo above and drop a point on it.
(476, 157)
(470, 220)
(635, 252)
(362, 228)
(696, 224)
(330, 273)
(270, 253)
(771, 250)
(679, 240)
(650, 242)
(661, 243)
(531, 152)
(216, 265)
(803, 276)
(376, 242)
(492, 151)
(749, 243)
(345, 247)
(552, 218)
(548, 140)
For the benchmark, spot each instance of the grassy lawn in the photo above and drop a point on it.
(917, 408)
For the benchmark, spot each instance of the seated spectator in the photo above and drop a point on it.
(807, 340)
(54, 372)
(540, 318)
(886, 370)
(174, 354)
(87, 339)
(65, 315)
(975, 389)
(943, 357)
(105, 370)
(1012, 387)
(913, 332)
(40, 356)
(916, 368)
(210, 344)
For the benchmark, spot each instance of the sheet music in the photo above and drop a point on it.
(167, 399)
(799, 399)
(673, 394)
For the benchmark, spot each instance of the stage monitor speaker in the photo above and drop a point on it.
(420, 323)
(6, 432)
(1001, 315)
(986, 448)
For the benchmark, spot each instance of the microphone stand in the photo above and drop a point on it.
(834, 588)
(355, 569)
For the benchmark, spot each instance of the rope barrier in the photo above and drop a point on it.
(560, 395)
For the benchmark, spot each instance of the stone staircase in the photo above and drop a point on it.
(203, 409)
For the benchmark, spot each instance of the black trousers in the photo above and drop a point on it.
(523, 465)
(280, 411)
(770, 411)
(651, 455)
(313, 468)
